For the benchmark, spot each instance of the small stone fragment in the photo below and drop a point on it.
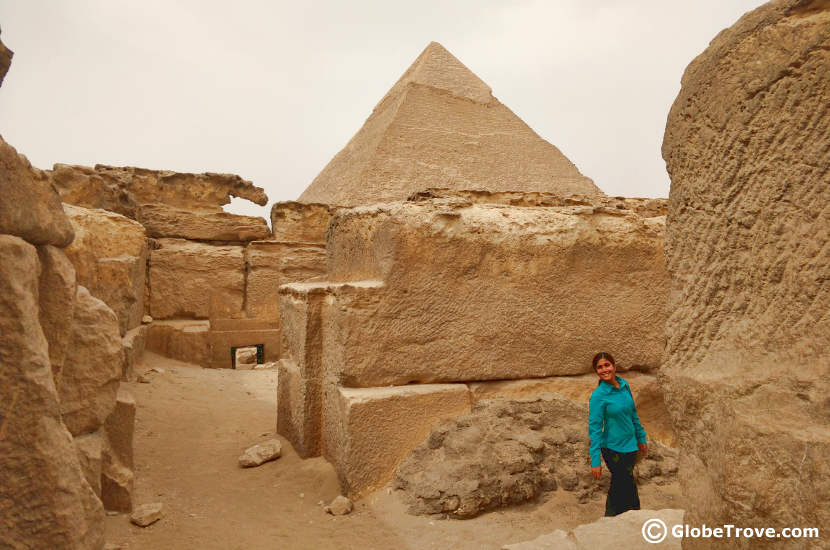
(141, 379)
(146, 319)
(146, 514)
(260, 453)
(340, 506)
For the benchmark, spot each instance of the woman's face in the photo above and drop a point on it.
(606, 370)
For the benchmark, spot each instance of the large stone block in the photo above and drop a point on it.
(58, 287)
(299, 409)
(88, 382)
(134, 342)
(482, 292)
(45, 502)
(301, 222)
(183, 340)
(89, 447)
(165, 221)
(110, 256)
(31, 208)
(196, 280)
(370, 430)
(117, 478)
(746, 376)
(270, 264)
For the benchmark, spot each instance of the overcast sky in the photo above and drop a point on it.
(273, 90)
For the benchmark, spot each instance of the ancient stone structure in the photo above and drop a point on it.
(424, 296)
(60, 363)
(748, 228)
(440, 126)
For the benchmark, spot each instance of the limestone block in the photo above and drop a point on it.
(165, 221)
(88, 382)
(378, 427)
(747, 233)
(31, 208)
(260, 453)
(440, 126)
(57, 302)
(195, 280)
(482, 292)
(120, 428)
(89, 447)
(558, 540)
(270, 264)
(45, 502)
(134, 343)
(117, 484)
(124, 189)
(183, 340)
(299, 409)
(110, 256)
(301, 222)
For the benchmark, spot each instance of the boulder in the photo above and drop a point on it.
(746, 370)
(510, 452)
(58, 287)
(196, 280)
(88, 382)
(45, 502)
(110, 256)
(89, 447)
(31, 208)
(165, 221)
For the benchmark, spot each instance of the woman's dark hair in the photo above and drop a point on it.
(602, 355)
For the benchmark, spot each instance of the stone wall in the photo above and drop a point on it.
(426, 295)
(60, 363)
(747, 372)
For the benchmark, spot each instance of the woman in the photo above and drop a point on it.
(616, 435)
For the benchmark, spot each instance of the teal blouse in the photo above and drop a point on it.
(612, 421)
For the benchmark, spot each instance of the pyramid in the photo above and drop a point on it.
(440, 126)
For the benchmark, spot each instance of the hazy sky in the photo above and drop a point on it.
(273, 90)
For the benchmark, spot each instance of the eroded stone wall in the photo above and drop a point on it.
(747, 370)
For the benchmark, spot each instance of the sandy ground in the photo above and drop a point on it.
(193, 423)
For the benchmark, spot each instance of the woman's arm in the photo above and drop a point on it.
(596, 419)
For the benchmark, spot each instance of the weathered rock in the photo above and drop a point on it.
(270, 264)
(89, 447)
(117, 482)
(120, 428)
(340, 506)
(260, 453)
(440, 126)
(195, 280)
(134, 343)
(367, 432)
(748, 225)
(622, 531)
(510, 452)
(5, 61)
(45, 502)
(88, 382)
(147, 514)
(110, 256)
(245, 356)
(31, 208)
(299, 222)
(165, 221)
(57, 291)
(183, 340)
(124, 189)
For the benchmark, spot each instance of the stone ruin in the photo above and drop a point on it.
(435, 296)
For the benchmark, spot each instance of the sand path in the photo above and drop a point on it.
(192, 424)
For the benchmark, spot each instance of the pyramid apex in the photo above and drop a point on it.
(437, 68)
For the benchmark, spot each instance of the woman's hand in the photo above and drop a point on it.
(643, 450)
(596, 471)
